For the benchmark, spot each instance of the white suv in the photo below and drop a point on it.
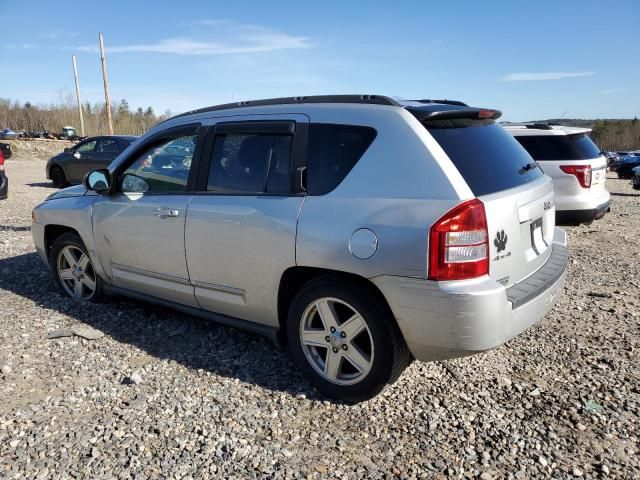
(576, 165)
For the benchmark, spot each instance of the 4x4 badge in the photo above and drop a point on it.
(500, 241)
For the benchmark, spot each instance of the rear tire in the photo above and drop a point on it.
(73, 271)
(58, 178)
(365, 351)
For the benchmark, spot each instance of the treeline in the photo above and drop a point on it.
(609, 134)
(27, 117)
(617, 135)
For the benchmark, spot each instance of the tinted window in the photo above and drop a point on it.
(125, 142)
(565, 147)
(107, 145)
(333, 151)
(487, 157)
(164, 167)
(251, 164)
(86, 147)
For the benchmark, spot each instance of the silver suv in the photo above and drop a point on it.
(363, 231)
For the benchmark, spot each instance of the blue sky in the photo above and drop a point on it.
(530, 59)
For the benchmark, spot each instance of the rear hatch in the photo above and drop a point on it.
(518, 197)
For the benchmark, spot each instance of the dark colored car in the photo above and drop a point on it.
(612, 157)
(625, 169)
(5, 148)
(4, 181)
(70, 166)
(636, 178)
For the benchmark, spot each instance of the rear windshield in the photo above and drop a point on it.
(487, 157)
(564, 147)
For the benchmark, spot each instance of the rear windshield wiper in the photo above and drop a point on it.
(528, 167)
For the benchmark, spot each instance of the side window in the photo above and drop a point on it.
(162, 168)
(251, 164)
(86, 147)
(333, 152)
(107, 145)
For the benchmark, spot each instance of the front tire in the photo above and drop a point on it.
(72, 269)
(345, 339)
(58, 178)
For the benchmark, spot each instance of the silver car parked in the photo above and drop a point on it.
(364, 231)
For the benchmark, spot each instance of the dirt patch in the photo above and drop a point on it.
(36, 148)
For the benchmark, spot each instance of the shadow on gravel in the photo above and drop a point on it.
(620, 194)
(40, 184)
(162, 333)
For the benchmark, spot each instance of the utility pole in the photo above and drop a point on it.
(106, 84)
(75, 76)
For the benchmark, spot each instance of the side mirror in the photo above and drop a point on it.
(98, 181)
(77, 155)
(67, 150)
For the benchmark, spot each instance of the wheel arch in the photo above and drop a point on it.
(51, 232)
(55, 165)
(294, 278)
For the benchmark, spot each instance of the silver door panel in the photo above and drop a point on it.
(210, 294)
(141, 250)
(237, 249)
(238, 246)
(162, 286)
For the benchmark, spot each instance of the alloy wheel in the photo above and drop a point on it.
(76, 273)
(336, 341)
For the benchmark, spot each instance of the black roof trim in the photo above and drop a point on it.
(537, 126)
(364, 99)
(443, 102)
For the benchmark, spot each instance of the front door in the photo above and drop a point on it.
(241, 225)
(82, 160)
(139, 228)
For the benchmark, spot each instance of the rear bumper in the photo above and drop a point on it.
(453, 319)
(575, 217)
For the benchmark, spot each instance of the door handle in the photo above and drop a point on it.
(166, 212)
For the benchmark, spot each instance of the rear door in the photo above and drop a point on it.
(518, 197)
(241, 224)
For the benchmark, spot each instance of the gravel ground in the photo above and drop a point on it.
(163, 395)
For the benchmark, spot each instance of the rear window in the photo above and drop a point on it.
(487, 157)
(333, 151)
(565, 147)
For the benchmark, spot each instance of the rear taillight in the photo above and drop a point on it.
(458, 243)
(581, 172)
(1, 161)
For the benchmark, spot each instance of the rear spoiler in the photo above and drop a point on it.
(444, 102)
(427, 114)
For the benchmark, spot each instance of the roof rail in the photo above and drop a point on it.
(444, 102)
(364, 99)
